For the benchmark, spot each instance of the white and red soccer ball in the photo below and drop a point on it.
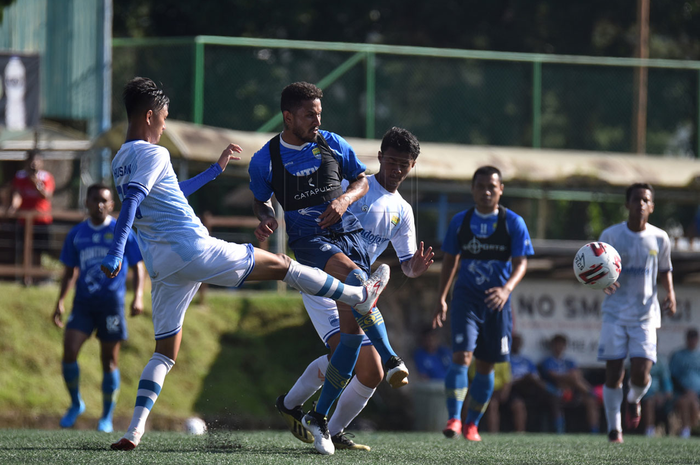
(597, 265)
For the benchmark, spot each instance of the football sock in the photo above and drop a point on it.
(353, 399)
(150, 385)
(71, 375)
(635, 394)
(456, 383)
(308, 383)
(313, 281)
(559, 424)
(373, 325)
(110, 390)
(479, 395)
(612, 400)
(339, 370)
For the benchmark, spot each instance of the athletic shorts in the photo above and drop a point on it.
(476, 328)
(315, 251)
(618, 341)
(105, 317)
(223, 264)
(323, 313)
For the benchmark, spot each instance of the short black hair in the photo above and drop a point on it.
(401, 140)
(297, 93)
(559, 338)
(692, 333)
(142, 94)
(33, 153)
(638, 185)
(97, 187)
(487, 171)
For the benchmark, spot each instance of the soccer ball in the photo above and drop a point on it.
(196, 426)
(597, 265)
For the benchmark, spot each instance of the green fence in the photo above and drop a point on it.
(442, 95)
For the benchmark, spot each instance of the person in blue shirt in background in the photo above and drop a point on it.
(566, 381)
(432, 359)
(490, 245)
(658, 397)
(685, 373)
(98, 303)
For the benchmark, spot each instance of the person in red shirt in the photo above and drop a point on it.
(32, 190)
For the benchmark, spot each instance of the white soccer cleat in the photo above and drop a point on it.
(396, 372)
(317, 425)
(374, 285)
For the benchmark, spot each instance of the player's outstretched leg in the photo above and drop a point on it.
(150, 385)
(71, 375)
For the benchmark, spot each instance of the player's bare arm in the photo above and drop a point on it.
(447, 273)
(227, 155)
(67, 279)
(669, 303)
(266, 214)
(338, 206)
(496, 297)
(139, 276)
(419, 263)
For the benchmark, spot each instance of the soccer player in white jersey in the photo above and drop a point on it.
(631, 311)
(385, 217)
(177, 250)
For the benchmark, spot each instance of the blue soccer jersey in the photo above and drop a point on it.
(476, 276)
(685, 369)
(521, 366)
(302, 161)
(85, 247)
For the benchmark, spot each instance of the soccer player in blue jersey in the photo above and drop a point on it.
(98, 303)
(304, 167)
(490, 245)
(685, 371)
(178, 252)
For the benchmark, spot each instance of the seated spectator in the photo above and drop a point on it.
(685, 373)
(658, 397)
(564, 379)
(501, 393)
(527, 388)
(432, 359)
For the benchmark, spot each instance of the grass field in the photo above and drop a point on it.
(77, 447)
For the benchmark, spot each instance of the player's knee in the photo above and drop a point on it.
(462, 358)
(356, 277)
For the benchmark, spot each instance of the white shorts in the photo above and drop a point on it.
(223, 264)
(323, 313)
(618, 341)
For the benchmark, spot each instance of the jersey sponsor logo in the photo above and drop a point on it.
(372, 238)
(475, 246)
(312, 192)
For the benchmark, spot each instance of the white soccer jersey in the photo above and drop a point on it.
(385, 217)
(644, 255)
(168, 231)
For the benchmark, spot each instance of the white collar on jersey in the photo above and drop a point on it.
(100, 226)
(293, 147)
(486, 215)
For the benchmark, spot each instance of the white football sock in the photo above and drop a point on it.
(313, 281)
(351, 402)
(635, 394)
(308, 383)
(612, 400)
(150, 385)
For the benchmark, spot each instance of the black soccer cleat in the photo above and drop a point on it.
(293, 418)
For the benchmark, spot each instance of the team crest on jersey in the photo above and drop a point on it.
(365, 208)
(109, 237)
(325, 247)
(317, 153)
(395, 220)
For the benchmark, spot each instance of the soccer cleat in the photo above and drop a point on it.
(342, 441)
(317, 425)
(129, 442)
(72, 414)
(104, 425)
(293, 418)
(453, 428)
(374, 285)
(633, 415)
(396, 372)
(615, 436)
(471, 433)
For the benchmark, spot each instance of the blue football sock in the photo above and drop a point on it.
(339, 371)
(559, 425)
(110, 390)
(71, 375)
(375, 329)
(456, 384)
(479, 396)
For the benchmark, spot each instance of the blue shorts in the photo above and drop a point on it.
(315, 251)
(107, 318)
(476, 328)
